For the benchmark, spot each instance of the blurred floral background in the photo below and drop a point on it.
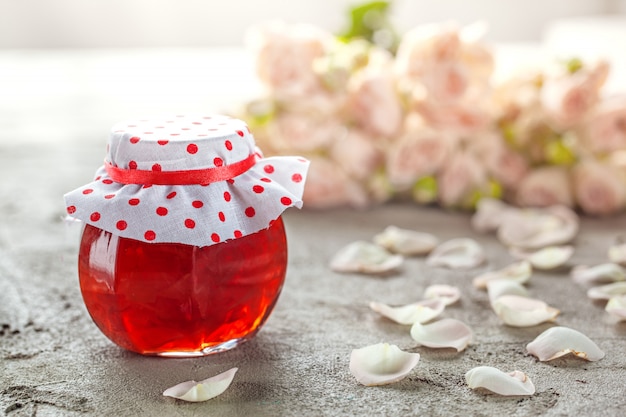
(417, 115)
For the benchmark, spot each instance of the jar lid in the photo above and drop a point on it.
(197, 180)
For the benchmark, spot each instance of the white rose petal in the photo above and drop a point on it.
(365, 257)
(518, 311)
(616, 307)
(608, 272)
(605, 292)
(547, 258)
(494, 380)
(460, 253)
(559, 341)
(489, 215)
(381, 364)
(406, 242)
(498, 287)
(519, 272)
(617, 253)
(419, 312)
(204, 390)
(447, 293)
(444, 333)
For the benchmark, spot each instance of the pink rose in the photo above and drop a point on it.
(327, 185)
(357, 154)
(463, 118)
(302, 132)
(419, 152)
(460, 178)
(285, 55)
(598, 188)
(606, 130)
(545, 186)
(504, 164)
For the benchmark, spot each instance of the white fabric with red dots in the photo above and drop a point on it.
(256, 192)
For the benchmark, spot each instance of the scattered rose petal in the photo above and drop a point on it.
(518, 272)
(419, 312)
(204, 390)
(447, 293)
(538, 228)
(381, 364)
(608, 291)
(608, 272)
(559, 341)
(489, 215)
(616, 307)
(496, 381)
(498, 287)
(444, 333)
(547, 258)
(518, 311)
(365, 257)
(617, 253)
(406, 242)
(460, 253)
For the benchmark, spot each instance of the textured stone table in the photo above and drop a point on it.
(55, 362)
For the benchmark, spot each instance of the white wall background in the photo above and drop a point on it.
(139, 23)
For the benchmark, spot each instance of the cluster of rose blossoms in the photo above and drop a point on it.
(430, 123)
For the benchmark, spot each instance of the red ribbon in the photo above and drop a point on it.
(185, 177)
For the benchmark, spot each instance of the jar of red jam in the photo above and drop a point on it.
(183, 252)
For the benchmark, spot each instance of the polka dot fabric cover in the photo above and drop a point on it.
(199, 214)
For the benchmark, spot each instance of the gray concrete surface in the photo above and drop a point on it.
(55, 362)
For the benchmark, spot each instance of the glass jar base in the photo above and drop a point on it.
(210, 350)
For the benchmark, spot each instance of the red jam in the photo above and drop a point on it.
(172, 299)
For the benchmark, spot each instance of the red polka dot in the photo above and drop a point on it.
(218, 162)
(161, 211)
(133, 201)
(296, 178)
(95, 216)
(87, 191)
(121, 225)
(268, 168)
(149, 235)
(71, 209)
(146, 186)
(132, 165)
(190, 224)
(134, 139)
(171, 195)
(237, 234)
(196, 123)
(97, 178)
(221, 216)
(163, 142)
(215, 237)
(228, 145)
(227, 196)
(265, 179)
(197, 204)
(230, 181)
(286, 201)
(250, 212)
(156, 167)
(258, 189)
(107, 181)
(192, 148)
(240, 133)
(109, 196)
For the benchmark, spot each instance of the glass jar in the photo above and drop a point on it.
(190, 260)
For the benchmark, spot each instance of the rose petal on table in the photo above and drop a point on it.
(616, 307)
(447, 293)
(365, 257)
(459, 253)
(519, 272)
(204, 390)
(489, 214)
(444, 333)
(518, 311)
(547, 258)
(406, 242)
(498, 287)
(589, 275)
(381, 364)
(605, 292)
(539, 227)
(617, 253)
(559, 341)
(421, 312)
(498, 382)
